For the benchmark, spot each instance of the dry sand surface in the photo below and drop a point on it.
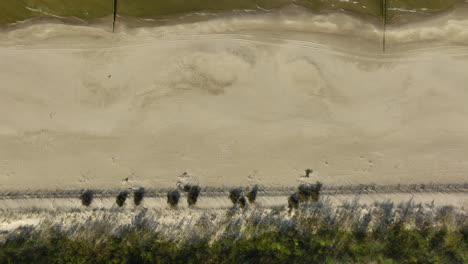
(234, 101)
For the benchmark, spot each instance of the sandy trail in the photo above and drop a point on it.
(234, 101)
(439, 195)
(455, 200)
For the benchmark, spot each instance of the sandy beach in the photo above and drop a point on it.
(233, 131)
(234, 101)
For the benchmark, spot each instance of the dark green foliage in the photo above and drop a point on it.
(173, 198)
(308, 172)
(464, 232)
(193, 193)
(237, 198)
(234, 195)
(307, 192)
(316, 191)
(86, 198)
(252, 195)
(138, 196)
(304, 192)
(318, 187)
(121, 197)
(293, 201)
(289, 244)
(242, 202)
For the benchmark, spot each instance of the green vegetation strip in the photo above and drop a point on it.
(304, 238)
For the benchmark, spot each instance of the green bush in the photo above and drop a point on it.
(121, 198)
(252, 195)
(242, 202)
(235, 194)
(293, 201)
(192, 195)
(308, 192)
(173, 198)
(138, 196)
(87, 197)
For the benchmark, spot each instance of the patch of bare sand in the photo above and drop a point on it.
(234, 101)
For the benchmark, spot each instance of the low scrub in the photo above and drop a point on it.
(121, 198)
(193, 191)
(87, 197)
(252, 194)
(138, 196)
(235, 194)
(293, 201)
(309, 192)
(173, 198)
(305, 238)
(242, 202)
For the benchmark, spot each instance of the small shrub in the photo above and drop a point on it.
(316, 192)
(304, 192)
(138, 196)
(193, 193)
(120, 200)
(308, 172)
(86, 198)
(307, 192)
(235, 194)
(252, 195)
(173, 198)
(242, 201)
(293, 201)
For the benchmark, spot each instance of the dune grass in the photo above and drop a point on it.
(311, 235)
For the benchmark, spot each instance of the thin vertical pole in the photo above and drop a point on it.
(384, 21)
(115, 14)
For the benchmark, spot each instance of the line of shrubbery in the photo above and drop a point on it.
(305, 193)
(173, 196)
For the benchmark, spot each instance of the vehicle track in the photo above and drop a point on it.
(269, 191)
